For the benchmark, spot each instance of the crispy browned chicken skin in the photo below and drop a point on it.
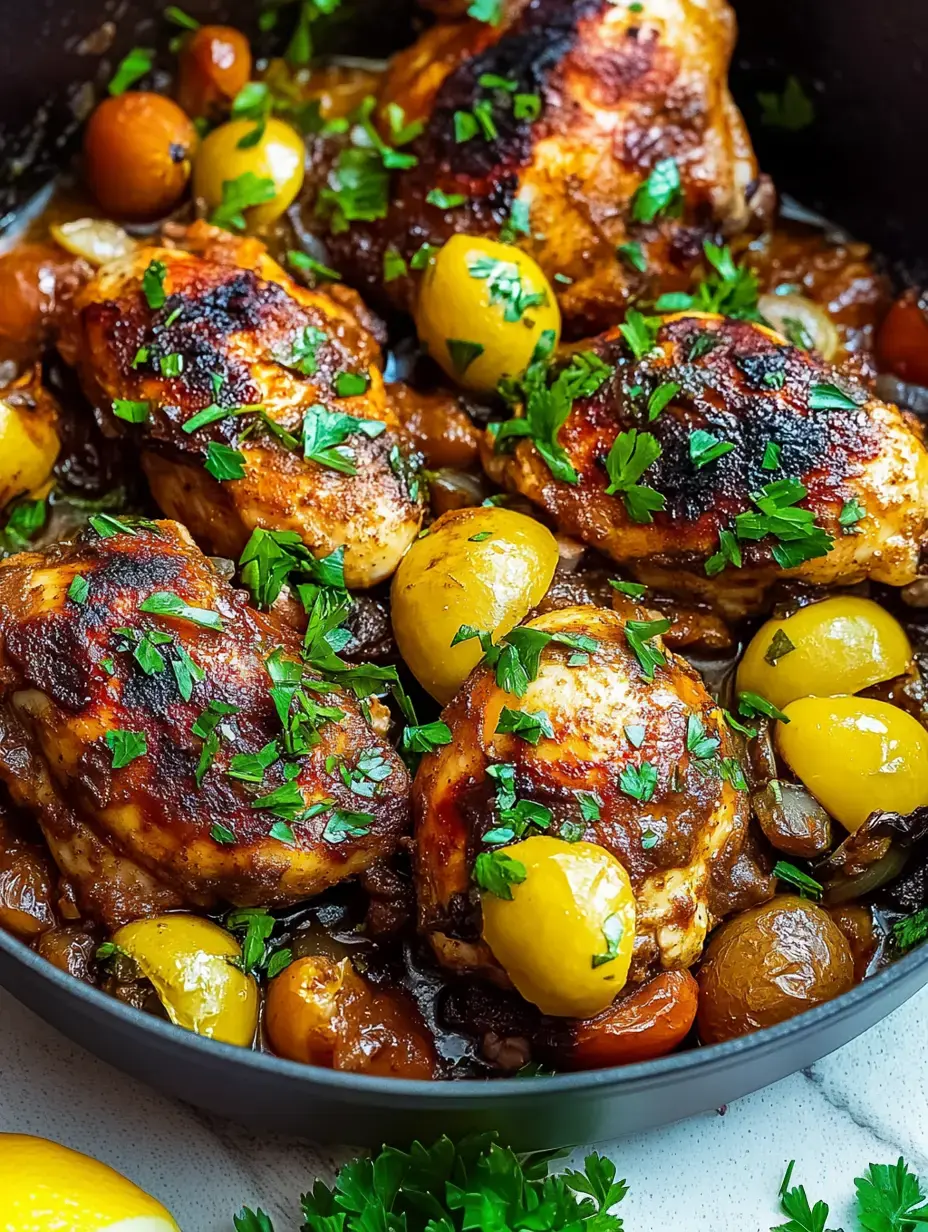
(747, 387)
(136, 839)
(242, 328)
(683, 848)
(620, 91)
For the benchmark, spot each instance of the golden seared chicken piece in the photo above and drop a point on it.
(256, 402)
(139, 727)
(636, 733)
(721, 461)
(579, 127)
(29, 440)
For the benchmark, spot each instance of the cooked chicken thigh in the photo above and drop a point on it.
(681, 839)
(734, 460)
(198, 353)
(167, 739)
(580, 126)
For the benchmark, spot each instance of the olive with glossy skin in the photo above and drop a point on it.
(137, 152)
(840, 645)
(769, 964)
(214, 64)
(485, 567)
(565, 938)
(482, 310)
(856, 756)
(278, 155)
(187, 959)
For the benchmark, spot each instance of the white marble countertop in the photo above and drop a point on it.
(868, 1102)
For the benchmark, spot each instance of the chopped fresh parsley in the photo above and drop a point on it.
(351, 384)
(131, 69)
(660, 194)
(640, 635)
(701, 745)
(851, 513)
(223, 462)
(771, 458)
(661, 397)
(489, 11)
(445, 201)
(590, 805)
(517, 656)
(221, 834)
(750, 705)
(640, 332)
(394, 265)
(531, 727)
(125, 746)
(797, 536)
(633, 256)
(308, 265)
(825, 396)
(343, 825)
(325, 433)
(79, 589)
(303, 356)
(242, 193)
(631, 454)
(270, 558)
(504, 283)
(807, 886)
(639, 782)
(256, 925)
(131, 412)
(496, 873)
(729, 289)
(613, 932)
(706, 447)
(631, 590)
(463, 353)
(167, 603)
(153, 284)
(547, 403)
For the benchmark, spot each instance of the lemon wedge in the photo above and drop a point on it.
(45, 1187)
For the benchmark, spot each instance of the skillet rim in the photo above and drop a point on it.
(641, 1075)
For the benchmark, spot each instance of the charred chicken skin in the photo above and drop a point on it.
(681, 838)
(139, 727)
(194, 354)
(578, 126)
(733, 459)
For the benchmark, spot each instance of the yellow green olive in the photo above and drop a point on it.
(482, 310)
(565, 938)
(840, 645)
(484, 567)
(856, 756)
(278, 155)
(188, 960)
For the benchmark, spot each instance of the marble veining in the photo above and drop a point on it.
(715, 1173)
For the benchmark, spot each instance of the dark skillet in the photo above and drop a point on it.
(861, 165)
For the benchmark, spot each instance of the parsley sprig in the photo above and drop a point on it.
(547, 394)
